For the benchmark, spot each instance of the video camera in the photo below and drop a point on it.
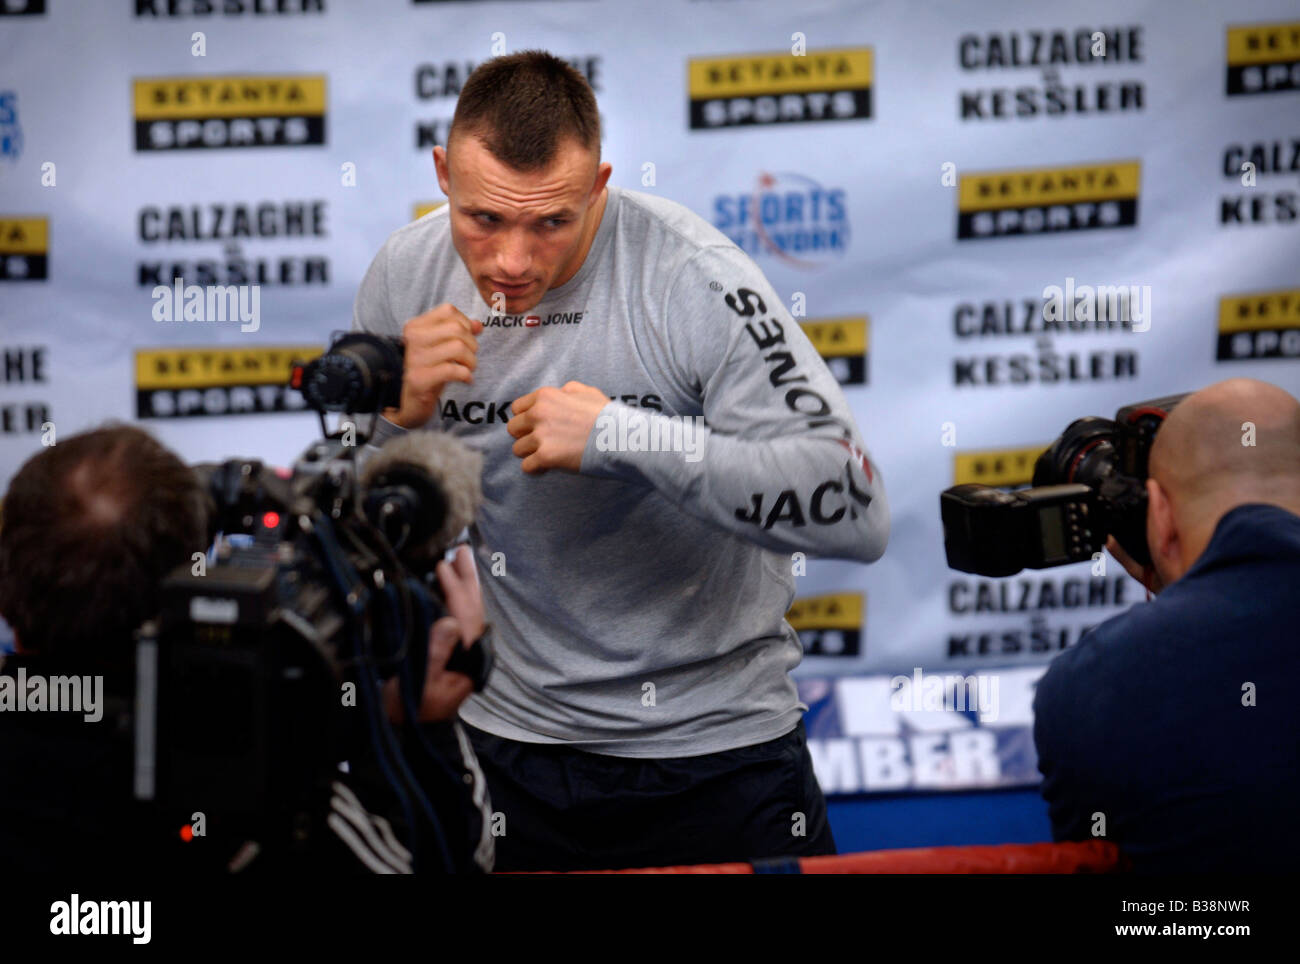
(1090, 483)
(264, 669)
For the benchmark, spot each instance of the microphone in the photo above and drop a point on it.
(421, 489)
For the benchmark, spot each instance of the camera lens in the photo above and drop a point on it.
(359, 373)
(1084, 453)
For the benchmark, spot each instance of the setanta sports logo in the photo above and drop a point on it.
(192, 382)
(1264, 325)
(1264, 58)
(24, 248)
(789, 217)
(843, 345)
(195, 113)
(424, 207)
(780, 88)
(829, 625)
(1007, 468)
(1047, 200)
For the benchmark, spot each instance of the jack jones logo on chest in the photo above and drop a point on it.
(534, 321)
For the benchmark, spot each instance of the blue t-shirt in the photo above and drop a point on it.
(1177, 720)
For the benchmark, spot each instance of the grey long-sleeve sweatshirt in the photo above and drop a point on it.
(639, 605)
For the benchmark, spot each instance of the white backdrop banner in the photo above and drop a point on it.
(917, 180)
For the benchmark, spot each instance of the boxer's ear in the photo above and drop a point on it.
(444, 172)
(603, 172)
(1163, 538)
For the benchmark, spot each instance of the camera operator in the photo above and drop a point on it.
(1169, 729)
(90, 527)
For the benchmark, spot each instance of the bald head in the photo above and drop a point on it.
(1233, 443)
(1204, 458)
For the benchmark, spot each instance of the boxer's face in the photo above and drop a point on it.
(520, 233)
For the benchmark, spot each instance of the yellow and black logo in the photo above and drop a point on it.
(843, 345)
(829, 625)
(1263, 325)
(1264, 58)
(424, 207)
(191, 382)
(194, 113)
(1004, 468)
(1045, 200)
(779, 88)
(24, 249)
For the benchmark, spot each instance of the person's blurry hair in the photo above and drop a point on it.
(87, 531)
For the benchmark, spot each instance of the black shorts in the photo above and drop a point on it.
(557, 808)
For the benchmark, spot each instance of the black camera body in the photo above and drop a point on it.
(1089, 484)
(249, 675)
(264, 668)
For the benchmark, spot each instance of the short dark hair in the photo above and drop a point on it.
(523, 105)
(90, 526)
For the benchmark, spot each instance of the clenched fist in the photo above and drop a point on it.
(552, 425)
(441, 347)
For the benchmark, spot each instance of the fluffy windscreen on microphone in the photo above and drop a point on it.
(454, 468)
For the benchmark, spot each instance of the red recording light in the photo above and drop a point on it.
(271, 520)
